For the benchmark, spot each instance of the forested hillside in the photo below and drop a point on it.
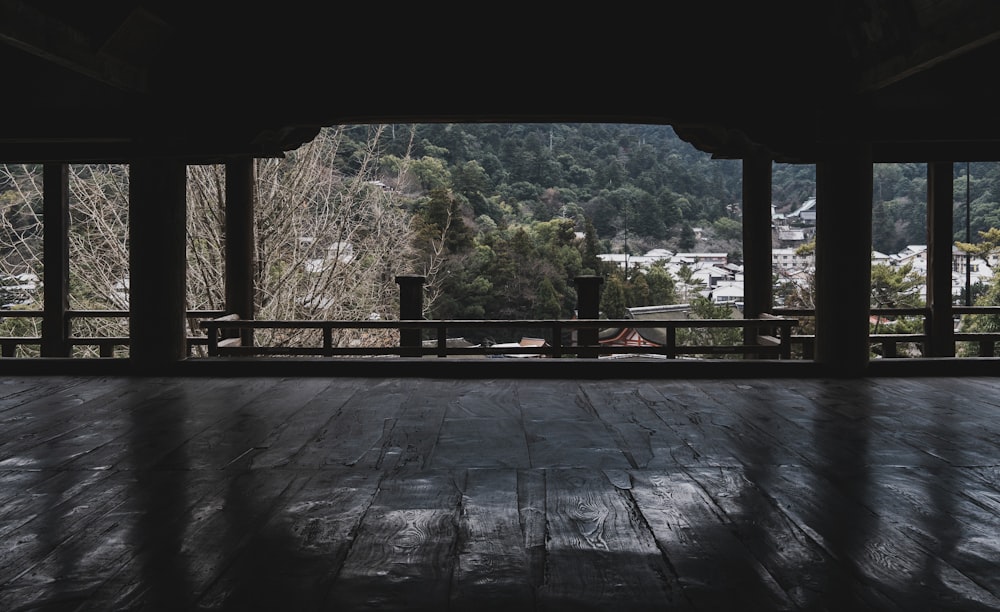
(645, 180)
(522, 190)
(490, 214)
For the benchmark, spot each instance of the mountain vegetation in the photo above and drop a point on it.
(521, 192)
(499, 218)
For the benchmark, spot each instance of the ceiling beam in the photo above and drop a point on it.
(944, 34)
(31, 30)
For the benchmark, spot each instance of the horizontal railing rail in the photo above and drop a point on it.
(773, 339)
(106, 345)
(799, 344)
(889, 343)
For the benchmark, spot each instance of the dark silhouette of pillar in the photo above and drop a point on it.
(940, 216)
(239, 250)
(55, 274)
(157, 264)
(844, 259)
(588, 306)
(411, 308)
(757, 266)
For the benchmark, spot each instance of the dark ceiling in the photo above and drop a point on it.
(121, 79)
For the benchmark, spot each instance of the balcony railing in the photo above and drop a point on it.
(797, 344)
(106, 345)
(771, 337)
(888, 345)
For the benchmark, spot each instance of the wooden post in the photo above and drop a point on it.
(588, 306)
(157, 264)
(757, 266)
(940, 238)
(411, 307)
(55, 276)
(843, 259)
(239, 249)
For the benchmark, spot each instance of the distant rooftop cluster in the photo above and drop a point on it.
(722, 281)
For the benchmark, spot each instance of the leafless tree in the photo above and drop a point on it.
(328, 245)
(20, 244)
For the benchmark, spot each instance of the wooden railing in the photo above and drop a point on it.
(106, 345)
(795, 345)
(888, 344)
(772, 335)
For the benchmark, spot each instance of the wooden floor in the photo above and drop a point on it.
(287, 494)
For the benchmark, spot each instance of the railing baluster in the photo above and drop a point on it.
(213, 338)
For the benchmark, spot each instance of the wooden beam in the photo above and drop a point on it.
(935, 33)
(24, 26)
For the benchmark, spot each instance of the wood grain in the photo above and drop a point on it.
(274, 493)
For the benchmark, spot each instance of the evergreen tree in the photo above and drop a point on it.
(686, 241)
(613, 297)
(547, 303)
(662, 288)
(591, 248)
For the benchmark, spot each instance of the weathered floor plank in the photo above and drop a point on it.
(434, 494)
(600, 551)
(292, 561)
(404, 552)
(492, 568)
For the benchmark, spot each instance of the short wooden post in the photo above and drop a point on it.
(411, 307)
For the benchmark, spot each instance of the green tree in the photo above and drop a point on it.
(431, 172)
(470, 181)
(443, 214)
(638, 293)
(613, 297)
(895, 287)
(686, 241)
(988, 245)
(547, 303)
(703, 308)
(986, 323)
(690, 285)
(728, 229)
(591, 248)
(662, 287)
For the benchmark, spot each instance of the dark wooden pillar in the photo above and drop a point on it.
(239, 249)
(940, 216)
(55, 322)
(157, 264)
(843, 258)
(757, 267)
(588, 306)
(411, 308)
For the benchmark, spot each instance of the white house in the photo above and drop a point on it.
(788, 259)
(728, 293)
